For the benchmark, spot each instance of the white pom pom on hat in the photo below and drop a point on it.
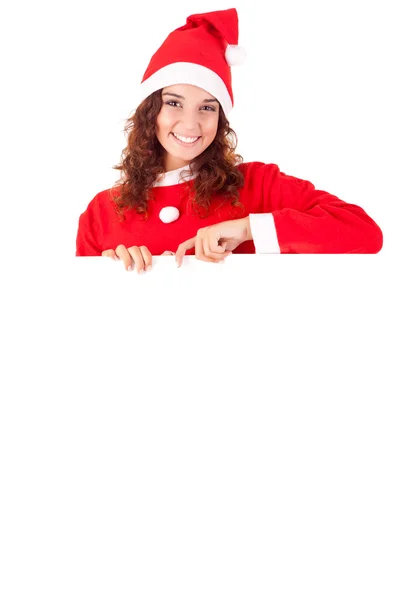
(235, 55)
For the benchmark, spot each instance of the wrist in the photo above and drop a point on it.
(249, 235)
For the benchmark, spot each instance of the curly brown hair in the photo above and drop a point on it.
(142, 162)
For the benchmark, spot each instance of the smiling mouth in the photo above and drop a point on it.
(183, 143)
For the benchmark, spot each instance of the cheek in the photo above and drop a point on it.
(211, 129)
(160, 124)
(212, 124)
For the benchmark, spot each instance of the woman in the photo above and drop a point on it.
(184, 190)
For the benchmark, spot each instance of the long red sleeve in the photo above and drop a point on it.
(308, 220)
(89, 231)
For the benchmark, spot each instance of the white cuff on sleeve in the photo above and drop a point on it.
(263, 230)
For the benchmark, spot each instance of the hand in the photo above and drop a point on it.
(135, 256)
(214, 243)
(140, 256)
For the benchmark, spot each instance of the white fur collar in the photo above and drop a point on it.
(174, 177)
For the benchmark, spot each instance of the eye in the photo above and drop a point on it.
(170, 102)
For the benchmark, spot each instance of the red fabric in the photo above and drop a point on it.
(306, 220)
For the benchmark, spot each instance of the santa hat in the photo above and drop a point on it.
(199, 53)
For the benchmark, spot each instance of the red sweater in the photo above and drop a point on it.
(287, 215)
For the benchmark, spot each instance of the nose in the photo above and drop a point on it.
(190, 123)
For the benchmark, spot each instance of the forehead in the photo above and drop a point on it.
(187, 90)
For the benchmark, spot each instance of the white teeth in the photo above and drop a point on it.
(185, 139)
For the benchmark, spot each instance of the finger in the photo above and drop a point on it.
(138, 262)
(213, 241)
(200, 254)
(122, 253)
(147, 258)
(217, 257)
(182, 248)
(167, 253)
(199, 250)
(209, 251)
(110, 254)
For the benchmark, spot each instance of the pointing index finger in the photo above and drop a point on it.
(180, 253)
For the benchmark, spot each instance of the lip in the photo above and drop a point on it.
(184, 144)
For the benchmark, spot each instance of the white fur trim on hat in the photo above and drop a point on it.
(189, 73)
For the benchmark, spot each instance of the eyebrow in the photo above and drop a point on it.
(182, 97)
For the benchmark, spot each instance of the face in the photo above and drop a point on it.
(187, 111)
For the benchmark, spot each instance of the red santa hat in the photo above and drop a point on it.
(199, 53)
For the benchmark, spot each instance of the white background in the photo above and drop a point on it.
(223, 431)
